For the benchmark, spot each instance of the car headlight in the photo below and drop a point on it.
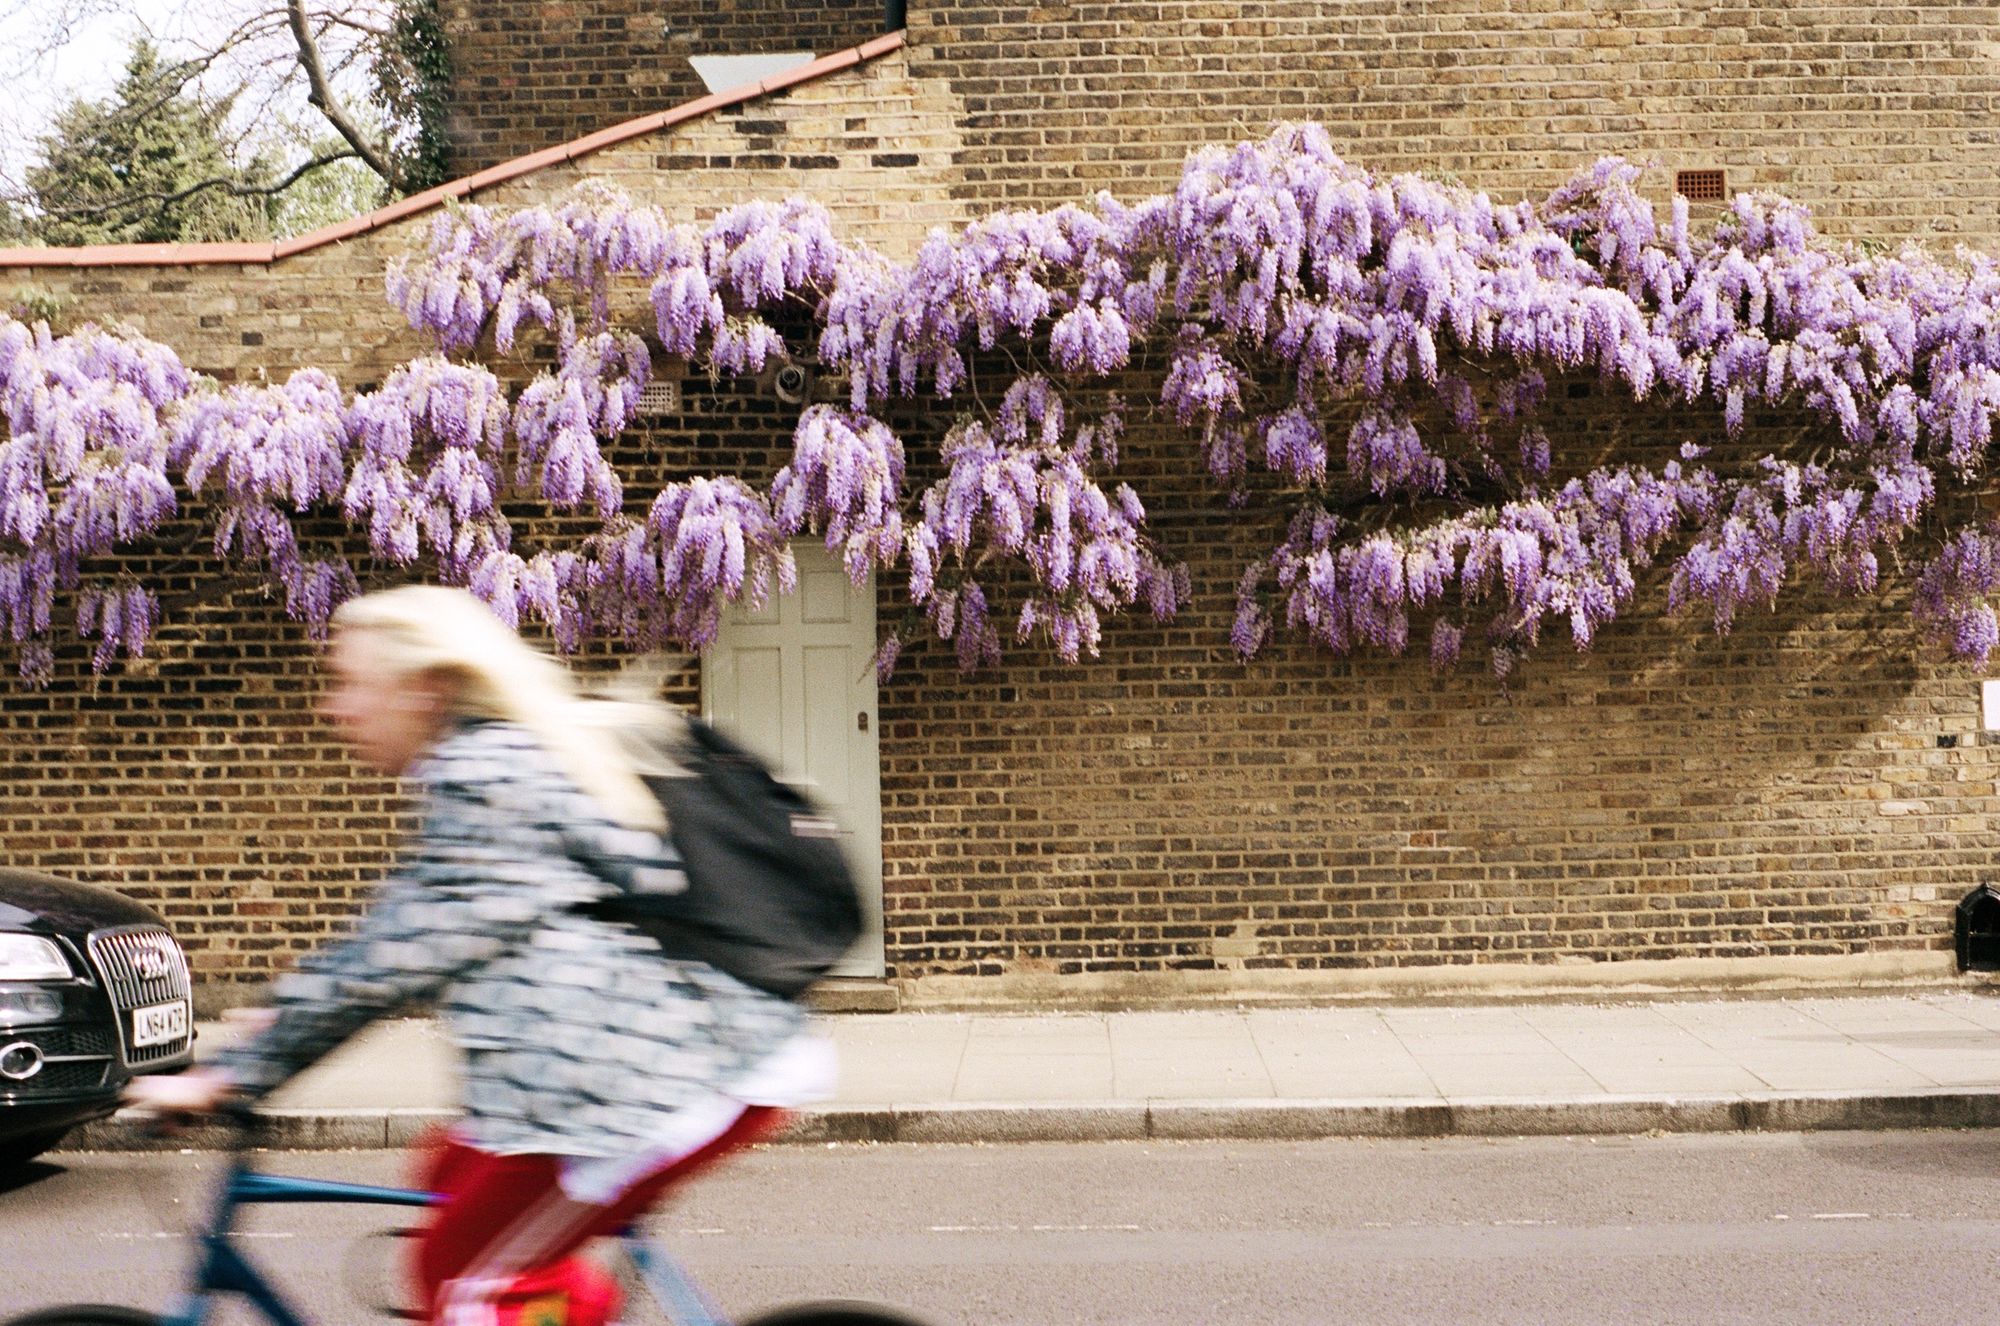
(31, 958)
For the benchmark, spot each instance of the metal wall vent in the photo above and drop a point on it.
(659, 397)
(1701, 186)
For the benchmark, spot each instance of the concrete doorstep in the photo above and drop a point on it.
(1897, 1061)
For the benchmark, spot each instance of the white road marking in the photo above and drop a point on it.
(1033, 1229)
(133, 1234)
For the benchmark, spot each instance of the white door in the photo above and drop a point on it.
(795, 684)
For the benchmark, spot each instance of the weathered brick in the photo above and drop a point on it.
(1779, 791)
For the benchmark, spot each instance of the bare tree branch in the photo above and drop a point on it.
(53, 25)
(344, 21)
(165, 200)
(176, 77)
(271, 76)
(322, 97)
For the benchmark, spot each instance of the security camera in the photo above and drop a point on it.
(792, 383)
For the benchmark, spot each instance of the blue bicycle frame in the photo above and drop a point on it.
(224, 1270)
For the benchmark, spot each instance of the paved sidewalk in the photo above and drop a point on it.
(1886, 1061)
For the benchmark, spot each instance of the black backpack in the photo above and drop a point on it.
(769, 897)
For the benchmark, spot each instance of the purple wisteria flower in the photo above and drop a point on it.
(705, 544)
(845, 478)
(478, 269)
(83, 472)
(276, 452)
(425, 478)
(1274, 300)
(560, 417)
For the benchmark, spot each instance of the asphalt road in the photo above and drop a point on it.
(1773, 1229)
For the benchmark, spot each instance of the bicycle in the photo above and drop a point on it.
(220, 1269)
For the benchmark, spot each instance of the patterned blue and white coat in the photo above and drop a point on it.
(580, 1038)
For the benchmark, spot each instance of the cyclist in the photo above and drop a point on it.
(598, 1071)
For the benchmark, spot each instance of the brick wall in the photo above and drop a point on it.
(1806, 786)
(198, 780)
(1872, 114)
(527, 74)
(325, 307)
(1165, 809)
(1809, 785)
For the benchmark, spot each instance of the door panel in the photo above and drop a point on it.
(829, 728)
(794, 683)
(760, 726)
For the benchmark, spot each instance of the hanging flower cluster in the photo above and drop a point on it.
(273, 452)
(1373, 354)
(1023, 489)
(705, 544)
(481, 272)
(846, 469)
(83, 469)
(560, 417)
(425, 450)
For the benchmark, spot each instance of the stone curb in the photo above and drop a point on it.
(1185, 1120)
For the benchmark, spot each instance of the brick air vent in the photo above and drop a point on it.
(659, 398)
(1700, 186)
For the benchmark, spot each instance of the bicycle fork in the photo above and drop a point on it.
(672, 1288)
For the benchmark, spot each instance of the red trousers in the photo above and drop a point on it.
(501, 1249)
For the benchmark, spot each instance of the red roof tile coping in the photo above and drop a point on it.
(196, 255)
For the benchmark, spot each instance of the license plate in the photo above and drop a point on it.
(156, 1024)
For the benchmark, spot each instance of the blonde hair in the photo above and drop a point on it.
(493, 673)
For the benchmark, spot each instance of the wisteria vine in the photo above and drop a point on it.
(1373, 357)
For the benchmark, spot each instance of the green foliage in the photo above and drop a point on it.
(326, 195)
(157, 161)
(33, 303)
(412, 84)
(330, 194)
(126, 170)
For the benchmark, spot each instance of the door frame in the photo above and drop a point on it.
(790, 619)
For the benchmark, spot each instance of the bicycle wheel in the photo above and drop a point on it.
(85, 1314)
(840, 1313)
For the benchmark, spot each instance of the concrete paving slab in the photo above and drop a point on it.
(885, 1062)
(1947, 1073)
(1678, 1080)
(1977, 1009)
(1332, 1082)
(1915, 1016)
(1635, 1022)
(1354, 1038)
(1178, 1081)
(1749, 1016)
(1083, 1028)
(407, 1063)
(1036, 1078)
(1819, 1062)
(1808, 1081)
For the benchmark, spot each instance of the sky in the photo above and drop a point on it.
(94, 39)
(86, 66)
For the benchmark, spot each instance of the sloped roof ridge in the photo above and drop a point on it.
(196, 255)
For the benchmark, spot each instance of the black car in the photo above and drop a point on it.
(93, 989)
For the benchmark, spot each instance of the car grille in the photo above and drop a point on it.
(74, 1059)
(65, 1042)
(119, 955)
(76, 1075)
